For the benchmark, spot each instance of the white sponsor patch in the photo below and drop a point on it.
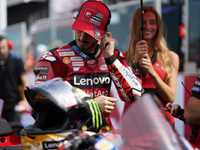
(48, 56)
(65, 49)
(77, 63)
(76, 68)
(71, 53)
(76, 58)
(103, 67)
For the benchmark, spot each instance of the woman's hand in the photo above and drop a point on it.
(145, 63)
(141, 49)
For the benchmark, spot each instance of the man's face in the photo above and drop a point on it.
(4, 50)
(85, 42)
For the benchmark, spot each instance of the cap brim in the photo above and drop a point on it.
(92, 31)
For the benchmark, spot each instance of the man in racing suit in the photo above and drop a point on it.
(89, 66)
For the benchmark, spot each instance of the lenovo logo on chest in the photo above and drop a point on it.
(88, 81)
(96, 81)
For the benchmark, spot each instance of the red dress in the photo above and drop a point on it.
(149, 86)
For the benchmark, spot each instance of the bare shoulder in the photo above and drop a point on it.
(174, 60)
(173, 55)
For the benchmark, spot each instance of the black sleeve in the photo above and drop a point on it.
(196, 88)
(20, 66)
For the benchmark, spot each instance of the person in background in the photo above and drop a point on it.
(88, 65)
(12, 76)
(150, 58)
(191, 114)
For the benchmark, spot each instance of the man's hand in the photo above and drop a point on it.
(108, 44)
(175, 110)
(97, 119)
(105, 103)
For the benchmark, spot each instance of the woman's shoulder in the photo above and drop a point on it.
(174, 59)
(173, 55)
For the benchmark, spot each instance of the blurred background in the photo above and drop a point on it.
(35, 26)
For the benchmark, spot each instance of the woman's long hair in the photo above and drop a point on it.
(158, 42)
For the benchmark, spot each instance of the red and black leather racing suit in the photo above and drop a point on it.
(194, 138)
(91, 73)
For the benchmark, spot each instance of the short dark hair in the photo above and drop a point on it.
(2, 37)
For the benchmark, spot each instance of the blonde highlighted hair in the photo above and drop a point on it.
(158, 42)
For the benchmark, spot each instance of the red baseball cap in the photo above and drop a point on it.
(93, 18)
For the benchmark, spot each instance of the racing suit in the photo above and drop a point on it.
(195, 137)
(91, 73)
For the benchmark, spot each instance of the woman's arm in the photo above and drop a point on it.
(166, 89)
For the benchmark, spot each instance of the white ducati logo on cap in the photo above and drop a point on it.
(88, 14)
(97, 33)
